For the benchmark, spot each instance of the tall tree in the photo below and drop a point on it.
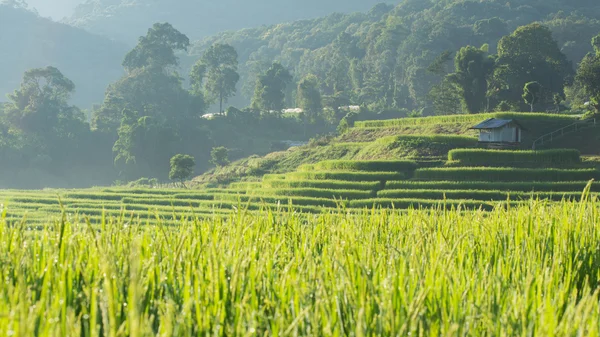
(309, 97)
(530, 54)
(588, 76)
(472, 68)
(157, 48)
(150, 86)
(40, 110)
(219, 66)
(269, 93)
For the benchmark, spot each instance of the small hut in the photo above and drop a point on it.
(504, 131)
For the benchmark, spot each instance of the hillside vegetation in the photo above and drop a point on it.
(29, 41)
(126, 19)
(385, 57)
(427, 140)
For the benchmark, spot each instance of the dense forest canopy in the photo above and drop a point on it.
(382, 56)
(127, 19)
(225, 97)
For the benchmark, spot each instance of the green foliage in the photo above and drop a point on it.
(157, 48)
(316, 193)
(345, 176)
(320, 184)
(472, 69)
(533, 92)
(218, 69)
(560, 186)
(420, 204)
(546, 158)
(182, 167)
(309, 98)
(505, 174)
(219, 156)
(465, 119)
(530, 54)
(367, 165)
(588, 76)
(447, 140)
(484, 195)
(269, 92)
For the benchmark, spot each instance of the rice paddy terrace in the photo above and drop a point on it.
(377, 170)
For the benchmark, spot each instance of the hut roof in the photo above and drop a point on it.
(494, 123)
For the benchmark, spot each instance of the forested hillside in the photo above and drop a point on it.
(225, 97)
(127, 19)
(382, 57)
(29, 41)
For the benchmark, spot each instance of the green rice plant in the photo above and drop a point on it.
(295, 201)
(306, 168)
(316, 193)
(345, 176)
(414, 203)
(560, 186)
(274, 177)
(449, 140)
(483, 157)
(517, 269)
(486, 195)
(505, 174)
(327, 184)
(463, 119)
(366, 165)
(245, 185)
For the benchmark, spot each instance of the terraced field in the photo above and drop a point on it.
(326, 186)
(435, 169)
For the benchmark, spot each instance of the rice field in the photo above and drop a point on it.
(530, 269)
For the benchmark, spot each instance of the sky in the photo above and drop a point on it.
(56, 9)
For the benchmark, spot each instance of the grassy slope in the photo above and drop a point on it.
(367, 142)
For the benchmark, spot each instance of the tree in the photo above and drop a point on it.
(532, 93)
(530, 54)
(217, 69)
(269, 93)
(144, 146)
(39, 110)
(182, 167)
(472, 68)
(309, 97)
(446, 98)
(150, 87)
(587, 79)
(157, 48)
(219, 156)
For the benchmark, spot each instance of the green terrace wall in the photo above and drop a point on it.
(482, 157)
(465, 119)
(505, 174)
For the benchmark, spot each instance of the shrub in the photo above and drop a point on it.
(505, 174)
(219, 156)
(485, 157)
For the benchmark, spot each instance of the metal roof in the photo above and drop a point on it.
(494, 123)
